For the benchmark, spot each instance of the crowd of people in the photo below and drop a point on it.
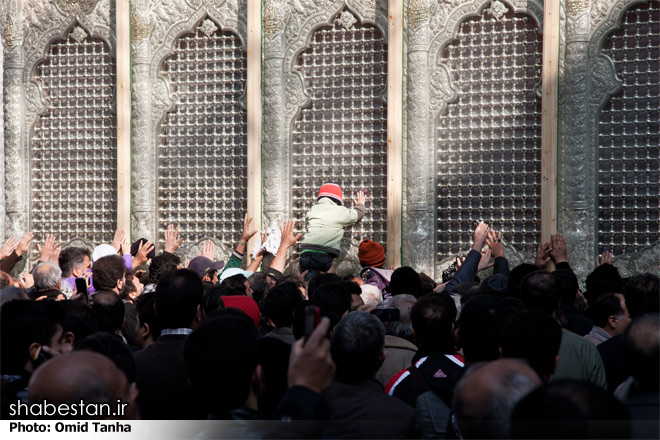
(485, 352)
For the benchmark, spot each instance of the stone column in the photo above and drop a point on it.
(14, 154)
(144, 170)
(274, 146)
(418, 220)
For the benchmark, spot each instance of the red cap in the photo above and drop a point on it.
(333, 191)
(244, 303)
(371, 254)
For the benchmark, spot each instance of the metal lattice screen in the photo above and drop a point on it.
(342, 136)
(629, 136)
(203, 140)
(489, 142)
(73, 144)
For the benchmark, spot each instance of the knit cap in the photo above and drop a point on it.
(371, 254)
(244, 303)
(333, 191)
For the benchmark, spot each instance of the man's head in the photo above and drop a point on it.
(148, 326)
(47, 276)
(334, 300)
(433, 319)
(604, 279)
(540, 290)
(609, 312)
(534, 336)
(641, 351)
(357, 346)
(206, 268)
(109, 310)
(162, 264)
(480, 327)
(516, 276)
(486, 395)
(74, 261)
(113, 348)
(221, 358)
(26, 328)
(403, 327)
(280, 304)
(86, 376)
(179, 297)
(569, 409)
(108, 273)
(640, 290)
(405, 280)
(568, 286)
(371, 254)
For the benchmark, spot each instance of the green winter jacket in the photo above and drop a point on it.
(325, 223)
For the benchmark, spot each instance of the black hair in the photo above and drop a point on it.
(640, 290)
(213, 298)
(109, 310)
(480, 327)
(237, 283)
(333, 299)
(540, 290)
(319, 280)
(78, 319)
(70, 257)
(405, 280)
(357, 342)
(144, 305)
(23, 323)
(604, 279)
(112, 347)
(516, 276)
(432, 318)
(604, 306)
(106, 271)
(428, 283)
(160, 265)
(280, 303)
(178, 295)
(569, 409)
(534, 336)
(220, 357)
(259, 285)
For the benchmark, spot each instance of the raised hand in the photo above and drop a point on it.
(479, 236)
(9, 247)
(172, 240)
(24, 244)
(141, 257)
(558, 251)
(494, 242)
(486, 261)
(49, 252)
(542, 255)
(247, 232)
(605, 259)
(360, 198)
(208, 250)
(119, 238)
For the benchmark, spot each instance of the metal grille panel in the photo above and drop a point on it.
(73, 144)
(342, 136)
(489, 143)
(629, 136)
(203, 140)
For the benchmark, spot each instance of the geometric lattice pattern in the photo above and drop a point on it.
(73, 145)
(342, 136)
(203, 141)
(629, 136)
(489, 142)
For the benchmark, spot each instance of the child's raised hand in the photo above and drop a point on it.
(361, 198)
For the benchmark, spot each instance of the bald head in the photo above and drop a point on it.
(82, 375)
(486, 395)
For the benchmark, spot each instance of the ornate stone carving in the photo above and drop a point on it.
(347, 20)
(497, 9)
(275, 16)
(141, 27)
(77, 6)
(208, 27)
(14, 30)
(78, 34)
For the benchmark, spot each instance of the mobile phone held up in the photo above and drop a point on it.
(81, 288)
